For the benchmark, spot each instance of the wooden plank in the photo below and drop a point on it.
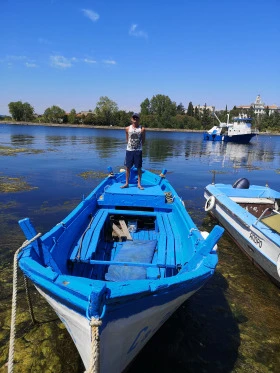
(170, 244)
(178, 242)
(125, 230)
(161, 246)
(86, 239)
(86, 244)
(118, 231)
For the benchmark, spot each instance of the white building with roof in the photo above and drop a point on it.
(260, 107)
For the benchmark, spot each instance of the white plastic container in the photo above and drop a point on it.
(132, 226)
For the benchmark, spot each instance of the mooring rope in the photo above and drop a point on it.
(94, 366)
(25, 279)
(14, 304)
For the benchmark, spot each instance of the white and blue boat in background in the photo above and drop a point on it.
(240, 131)
(251, 215)
(117, 267)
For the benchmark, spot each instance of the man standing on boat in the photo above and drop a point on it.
(135, 137)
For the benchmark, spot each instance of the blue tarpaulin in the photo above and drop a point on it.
(138, 251)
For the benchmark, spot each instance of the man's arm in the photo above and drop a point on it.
(126, 133)
(143, 135)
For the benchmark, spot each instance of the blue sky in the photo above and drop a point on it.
(69, 53)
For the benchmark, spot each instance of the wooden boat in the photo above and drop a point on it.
(250, 214)
(119, 265)
(240, 131)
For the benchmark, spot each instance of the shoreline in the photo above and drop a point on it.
(67, 125)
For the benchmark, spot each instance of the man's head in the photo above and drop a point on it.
(135, 116)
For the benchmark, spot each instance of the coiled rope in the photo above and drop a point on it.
(168, 196)
(14, 304)
(94, 366)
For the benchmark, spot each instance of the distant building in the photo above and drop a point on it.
(260, 107)
(85, 113)
(202, 107)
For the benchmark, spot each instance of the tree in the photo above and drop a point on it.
(162, 106)
(190, 111)
(123, 118)
(106, 111)
(206, 117)
(72, 117)
(162, 109)
(196, 113)
(145, 107)
(54, 114)
(180, 109)
(88, 119)
(20, 111)
(251, 112)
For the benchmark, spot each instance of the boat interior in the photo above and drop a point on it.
(132, 235)
(265, 210)
(120, 234)
(124, 245)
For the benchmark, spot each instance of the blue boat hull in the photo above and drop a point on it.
(251, 216)
(239, 139)
(91, 268)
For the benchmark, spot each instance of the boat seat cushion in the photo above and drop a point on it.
(137, 251)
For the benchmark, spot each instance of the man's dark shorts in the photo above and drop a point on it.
(133, 157)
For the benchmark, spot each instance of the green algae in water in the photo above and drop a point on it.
(93, 175)
(6, 150)
(47, 207)
(14, 184)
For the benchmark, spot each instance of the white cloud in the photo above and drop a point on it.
(138, 33)
(60, 62)
(44, 41)
(15, 58)
(31, 65)
(110, 62)
(90, 14)
(88, 60)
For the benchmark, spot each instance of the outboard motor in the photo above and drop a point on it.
(242, 183)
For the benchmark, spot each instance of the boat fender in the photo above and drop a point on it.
(210, 203)
(242, 183)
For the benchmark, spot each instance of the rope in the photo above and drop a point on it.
(78, 255)
(168, 196)
(25, 279)
(14, 305)
(94, 366)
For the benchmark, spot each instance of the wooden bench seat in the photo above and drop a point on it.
(167, 255)
(86, 246)
(165, 259)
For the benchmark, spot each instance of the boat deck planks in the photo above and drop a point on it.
(86, 245)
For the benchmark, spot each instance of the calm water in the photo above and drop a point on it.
(231, 325)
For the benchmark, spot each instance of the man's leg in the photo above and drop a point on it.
(127, 174)
(138, 165)
(139, 170)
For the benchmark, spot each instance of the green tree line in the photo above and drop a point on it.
(158, 112)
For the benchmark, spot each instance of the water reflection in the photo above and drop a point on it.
(248, 156)
(57, 140)
(107, 146)
(20, 140)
